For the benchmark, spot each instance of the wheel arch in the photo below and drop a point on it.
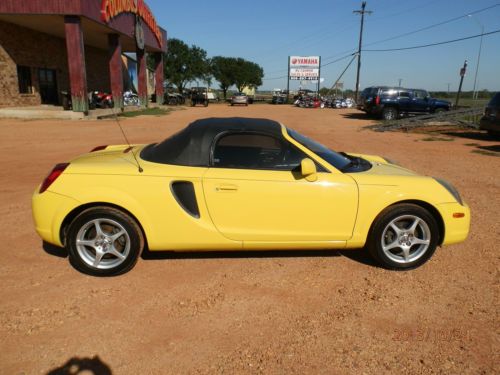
(426, 206)
(63, 231)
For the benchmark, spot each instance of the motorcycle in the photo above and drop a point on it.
(130, 98)
(101, 99)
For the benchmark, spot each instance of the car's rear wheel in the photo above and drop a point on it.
(104, 241)
(389, 114)
(404, 236)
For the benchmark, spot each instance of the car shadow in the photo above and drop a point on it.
(474, 135)
(54, 250)
(75, 365)
(357, 255)
(357, 116)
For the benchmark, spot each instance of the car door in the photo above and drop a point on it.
(254, 192)
(420, 101)
(404, 101)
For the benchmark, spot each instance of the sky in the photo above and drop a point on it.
(267, 32)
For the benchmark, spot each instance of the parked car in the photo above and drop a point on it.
(240, 183)
(393, 102)
(239, 98)
(491, 119)
(198, 96)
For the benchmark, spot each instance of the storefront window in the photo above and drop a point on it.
(24, 79)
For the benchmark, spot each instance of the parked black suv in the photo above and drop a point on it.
(392, 102)
(491, 119)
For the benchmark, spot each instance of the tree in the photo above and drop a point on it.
(183, 63)
(224, 70)
(248, 74)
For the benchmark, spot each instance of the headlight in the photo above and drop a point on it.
(451, 189)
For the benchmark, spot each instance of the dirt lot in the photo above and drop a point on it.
(286, 313)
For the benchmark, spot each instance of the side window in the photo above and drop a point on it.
(404, 94)
(254, 151)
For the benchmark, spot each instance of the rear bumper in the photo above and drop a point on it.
(488, 123)
(49, 210)
(455, 229)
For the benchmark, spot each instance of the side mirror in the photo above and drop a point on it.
(308, 170)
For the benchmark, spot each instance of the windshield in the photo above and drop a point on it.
(337, 160)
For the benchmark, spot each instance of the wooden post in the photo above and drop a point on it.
(115, 70)
(142, 77)
(76, 63)
(159, 77)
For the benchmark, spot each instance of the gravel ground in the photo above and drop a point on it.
(251, 313)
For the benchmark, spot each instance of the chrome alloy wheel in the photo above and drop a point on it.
(406, 238)
(103, 243)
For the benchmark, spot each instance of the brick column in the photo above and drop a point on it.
(76, 63)
(159, 77)
(115, 70)
(142, 77)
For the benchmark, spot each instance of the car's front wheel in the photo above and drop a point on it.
(404, 236)
(104, 241)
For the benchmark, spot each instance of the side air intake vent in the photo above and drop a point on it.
(183, 192)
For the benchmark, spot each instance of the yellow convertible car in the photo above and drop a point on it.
(239, 183)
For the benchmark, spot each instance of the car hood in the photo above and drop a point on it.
(382, 167)
(441, 102)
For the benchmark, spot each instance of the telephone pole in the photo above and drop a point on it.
(362, 12)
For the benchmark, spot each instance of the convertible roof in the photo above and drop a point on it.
(191, 146)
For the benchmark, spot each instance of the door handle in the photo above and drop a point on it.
(226, 187)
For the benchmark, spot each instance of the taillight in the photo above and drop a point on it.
(53, 175)
(377, 100)
(99, 148)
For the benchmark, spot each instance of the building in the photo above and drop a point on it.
(49, 46)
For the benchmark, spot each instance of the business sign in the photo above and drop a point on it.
(304, 68)
(304, 74)
(113, 8)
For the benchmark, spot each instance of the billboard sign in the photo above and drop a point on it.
(304, 68)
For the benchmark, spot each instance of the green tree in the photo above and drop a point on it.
(248, 74)
(183, 63)
(224, 70)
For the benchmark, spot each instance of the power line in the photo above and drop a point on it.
(433, 25)
(432, 44)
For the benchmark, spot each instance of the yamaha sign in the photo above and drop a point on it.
(304, 68)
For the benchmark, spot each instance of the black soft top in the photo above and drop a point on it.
(191, 146)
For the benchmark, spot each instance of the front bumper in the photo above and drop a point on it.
(49, 210)
(456, 229)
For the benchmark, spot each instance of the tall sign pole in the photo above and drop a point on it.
(319, 74)
(462, 74)
(362, 12)
(288, 82)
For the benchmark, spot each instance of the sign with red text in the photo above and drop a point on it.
(304, 68)
(113, 8)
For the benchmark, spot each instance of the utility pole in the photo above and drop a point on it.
(449, 88)
(462, 74)
(400, 80)
(362, 12)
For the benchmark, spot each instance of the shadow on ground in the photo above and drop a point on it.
(87, 366)
(357, 255)
(357, 116)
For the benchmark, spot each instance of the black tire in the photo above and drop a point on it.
(439, 110)
(205, 103)
(389, 113)
(381, 232)
(130, 243)
(495, 134)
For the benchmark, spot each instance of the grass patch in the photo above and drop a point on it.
(147, 112)
(434, 139)
(471, 144)
(488, 153)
